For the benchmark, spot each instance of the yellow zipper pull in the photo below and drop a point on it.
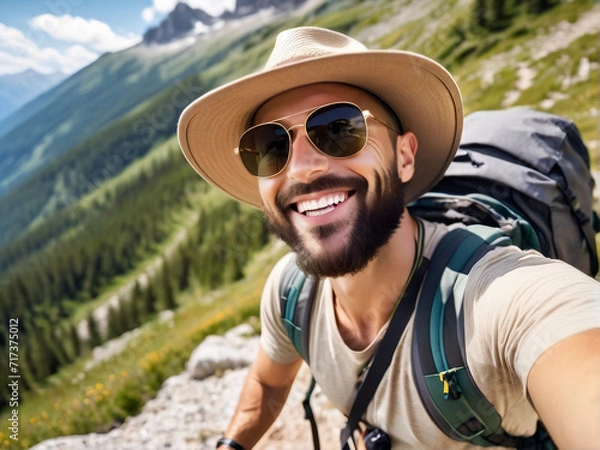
(446, 386)
(451, 390)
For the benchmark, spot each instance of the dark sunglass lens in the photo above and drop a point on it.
(337, 130)
(265, 149)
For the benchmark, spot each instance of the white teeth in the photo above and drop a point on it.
(322, 205)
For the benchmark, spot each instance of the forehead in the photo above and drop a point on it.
(312, 96)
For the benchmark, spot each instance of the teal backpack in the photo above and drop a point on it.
(518, 176)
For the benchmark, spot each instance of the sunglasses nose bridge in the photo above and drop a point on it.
(293, 134)
(295, 137)
(304, 160)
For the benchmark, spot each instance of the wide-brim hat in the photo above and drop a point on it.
(422, 93)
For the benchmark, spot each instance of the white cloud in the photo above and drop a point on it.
(71, 60)
(212, 7)
(14, 41)
(19, 52)
(91, 33)
(164, 6)
(148, 14)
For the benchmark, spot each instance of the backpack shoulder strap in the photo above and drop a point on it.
(450, 398)
(296, 295)
(443, 379)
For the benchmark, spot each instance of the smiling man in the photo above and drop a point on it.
(332, 141)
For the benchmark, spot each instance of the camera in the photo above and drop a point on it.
(376, 439)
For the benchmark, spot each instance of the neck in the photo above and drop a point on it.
(365, 301)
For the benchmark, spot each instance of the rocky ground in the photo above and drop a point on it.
(193, 408)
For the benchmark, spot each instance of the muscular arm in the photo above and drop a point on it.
(565, 389)
(263, 396)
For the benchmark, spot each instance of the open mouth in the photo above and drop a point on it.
(322, 205)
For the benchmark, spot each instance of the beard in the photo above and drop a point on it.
(373, 225)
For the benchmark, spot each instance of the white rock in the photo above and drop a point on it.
(219, 353)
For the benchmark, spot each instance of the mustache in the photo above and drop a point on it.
(285, 197)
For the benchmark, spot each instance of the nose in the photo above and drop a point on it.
(306, 162)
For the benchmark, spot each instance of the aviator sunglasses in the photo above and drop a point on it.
(337, 129)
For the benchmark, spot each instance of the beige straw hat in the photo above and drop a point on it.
(422, 92)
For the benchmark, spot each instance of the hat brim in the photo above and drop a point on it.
(422, 92)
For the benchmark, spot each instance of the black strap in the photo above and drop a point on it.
(229, 443)
(385, 351)
(308, 414)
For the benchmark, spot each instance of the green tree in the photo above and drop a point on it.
(56, 343)
(185, 263)
(42, 358)
(124, 321)
(94, 336)
(75, 341)
(497, 11)
(27, 377)
(479, 11)
(114, 325)
(135, 306)
(169, 301)
(540, 6)
(150, 300)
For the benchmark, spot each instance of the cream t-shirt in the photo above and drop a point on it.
(517, 305)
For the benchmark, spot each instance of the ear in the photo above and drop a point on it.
(406, 149)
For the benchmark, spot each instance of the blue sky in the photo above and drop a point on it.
(66, 35)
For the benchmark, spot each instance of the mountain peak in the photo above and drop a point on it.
(178, 23)
(184, 20)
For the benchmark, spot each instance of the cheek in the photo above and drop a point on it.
(377, 165)
(268, 190)
(369, 159)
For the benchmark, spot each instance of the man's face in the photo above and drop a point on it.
(335, 213)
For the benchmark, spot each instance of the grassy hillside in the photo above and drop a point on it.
(121, 218)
